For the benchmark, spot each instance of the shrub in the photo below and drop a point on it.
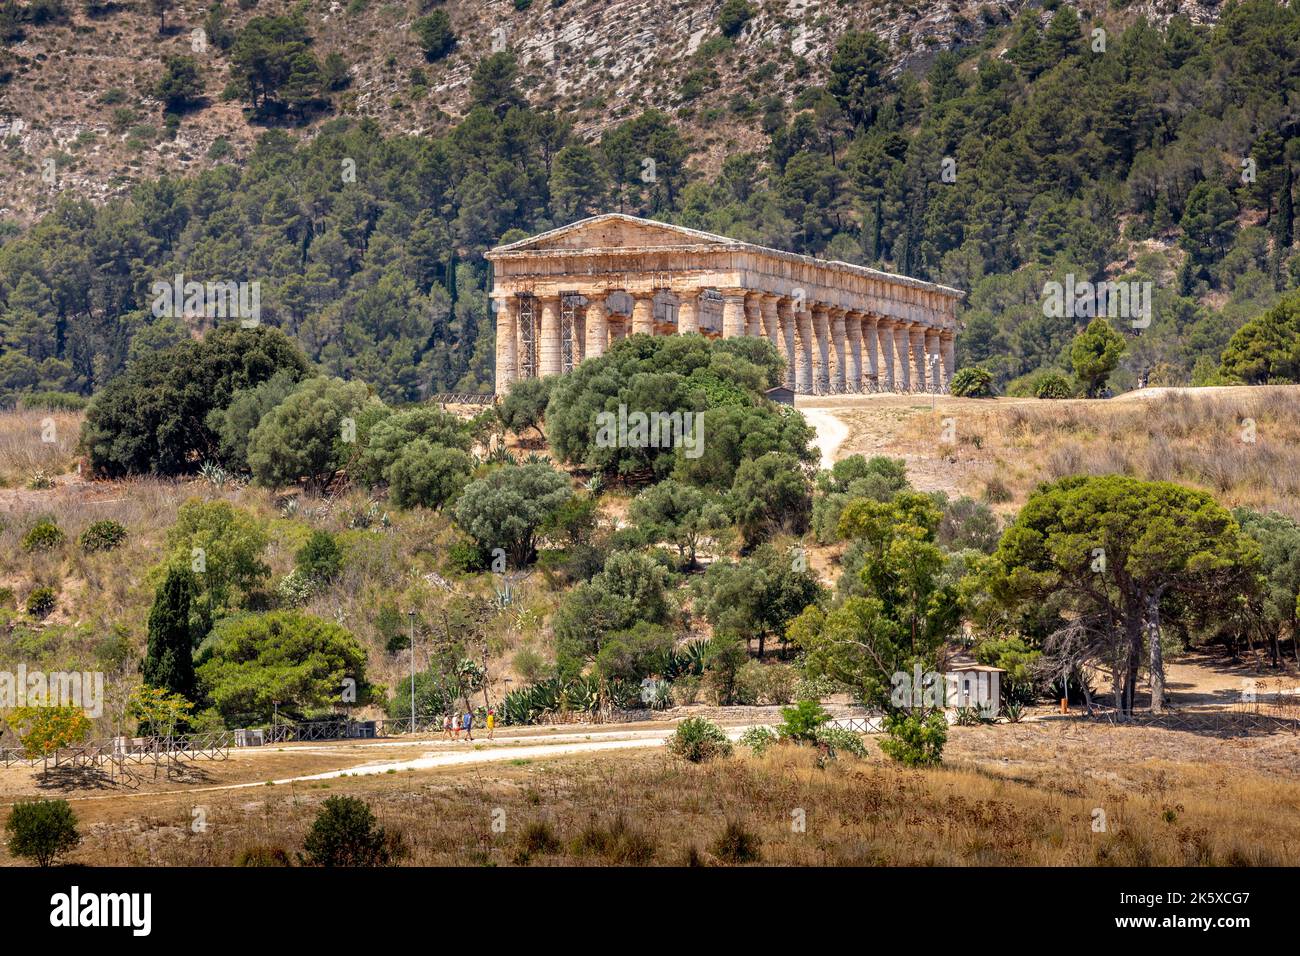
(103, 535)
(780, 681)
(41, 830)
(973, 381)
(617, 843)
(45, 535)
(320, 558)
(736, 844)
(915, 741)
(428, 475)
(1052, 385)
(733, 16)
(699, 740)
(801, 722)
(435, 35)
(686, 690)
(344, 833)
(837, 740)
(537, 837)
(758, 739)
(263, 855)
(42, 601)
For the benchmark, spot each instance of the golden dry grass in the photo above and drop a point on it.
(1241, 444)
(642, 807)
(37, 442)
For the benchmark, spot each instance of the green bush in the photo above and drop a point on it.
(345, 833)
(837, 740)
(759, 739)
(733, 16)
(42, 601)
(52, 402)
(42, 830)
(974, 381)
(800, 723)
(320, 559)
(45, 535)
(699, 740)
(1052, 385)
(428, 475)
(103, 535)
(915, 741)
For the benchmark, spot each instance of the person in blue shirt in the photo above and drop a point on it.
(469, 724)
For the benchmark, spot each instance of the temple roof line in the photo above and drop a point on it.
(704, 242)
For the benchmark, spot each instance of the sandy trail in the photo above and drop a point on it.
(831, 432)
(493, 752)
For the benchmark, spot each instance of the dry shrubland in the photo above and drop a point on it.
(34, 442)
(1241, 445)
(635, 808)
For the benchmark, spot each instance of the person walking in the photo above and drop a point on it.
(455, 725)
(469, 725)
(446, 725)
(491, 722)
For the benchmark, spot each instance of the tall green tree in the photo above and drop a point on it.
(1108, 563)
(1094, 354)
(169, 655)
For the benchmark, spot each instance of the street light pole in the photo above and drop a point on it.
(411, 615)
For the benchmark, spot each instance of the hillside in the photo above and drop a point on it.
(81, 87)
(1048, 151)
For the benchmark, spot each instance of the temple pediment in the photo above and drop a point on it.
(616, 231)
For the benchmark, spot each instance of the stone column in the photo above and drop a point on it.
(919, 371)
(871, 363)
(643, 313)
(597, 327)
(803, 379)
(934, 364)
(733, 314)
(948, 343)
(785, 320)
(853, 355)
(771, 322)
(902, 372)
(688, 312)
(821, 358)
(839, 375)
(507, 344)
(548, 336)
(754, 314)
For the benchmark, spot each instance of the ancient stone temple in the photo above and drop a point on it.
(568, 294)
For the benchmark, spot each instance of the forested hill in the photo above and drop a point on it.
(359, 187)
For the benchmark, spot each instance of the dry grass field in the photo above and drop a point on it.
(1026, 794)
(1240, 444)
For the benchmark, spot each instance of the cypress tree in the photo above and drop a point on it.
(169, 658)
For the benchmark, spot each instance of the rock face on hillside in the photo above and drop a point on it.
(78, 113)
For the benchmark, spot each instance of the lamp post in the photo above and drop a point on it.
(411, 616)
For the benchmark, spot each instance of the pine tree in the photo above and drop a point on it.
(169, 658)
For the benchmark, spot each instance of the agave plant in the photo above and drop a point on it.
(687, 659)
(595, 485)
(1013, 711)
(537, 459)
(215, 475)
(500, 455)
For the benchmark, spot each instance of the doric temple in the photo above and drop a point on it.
(569, 293)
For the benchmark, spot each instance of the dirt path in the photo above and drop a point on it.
(831, 432)
(503, 749)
